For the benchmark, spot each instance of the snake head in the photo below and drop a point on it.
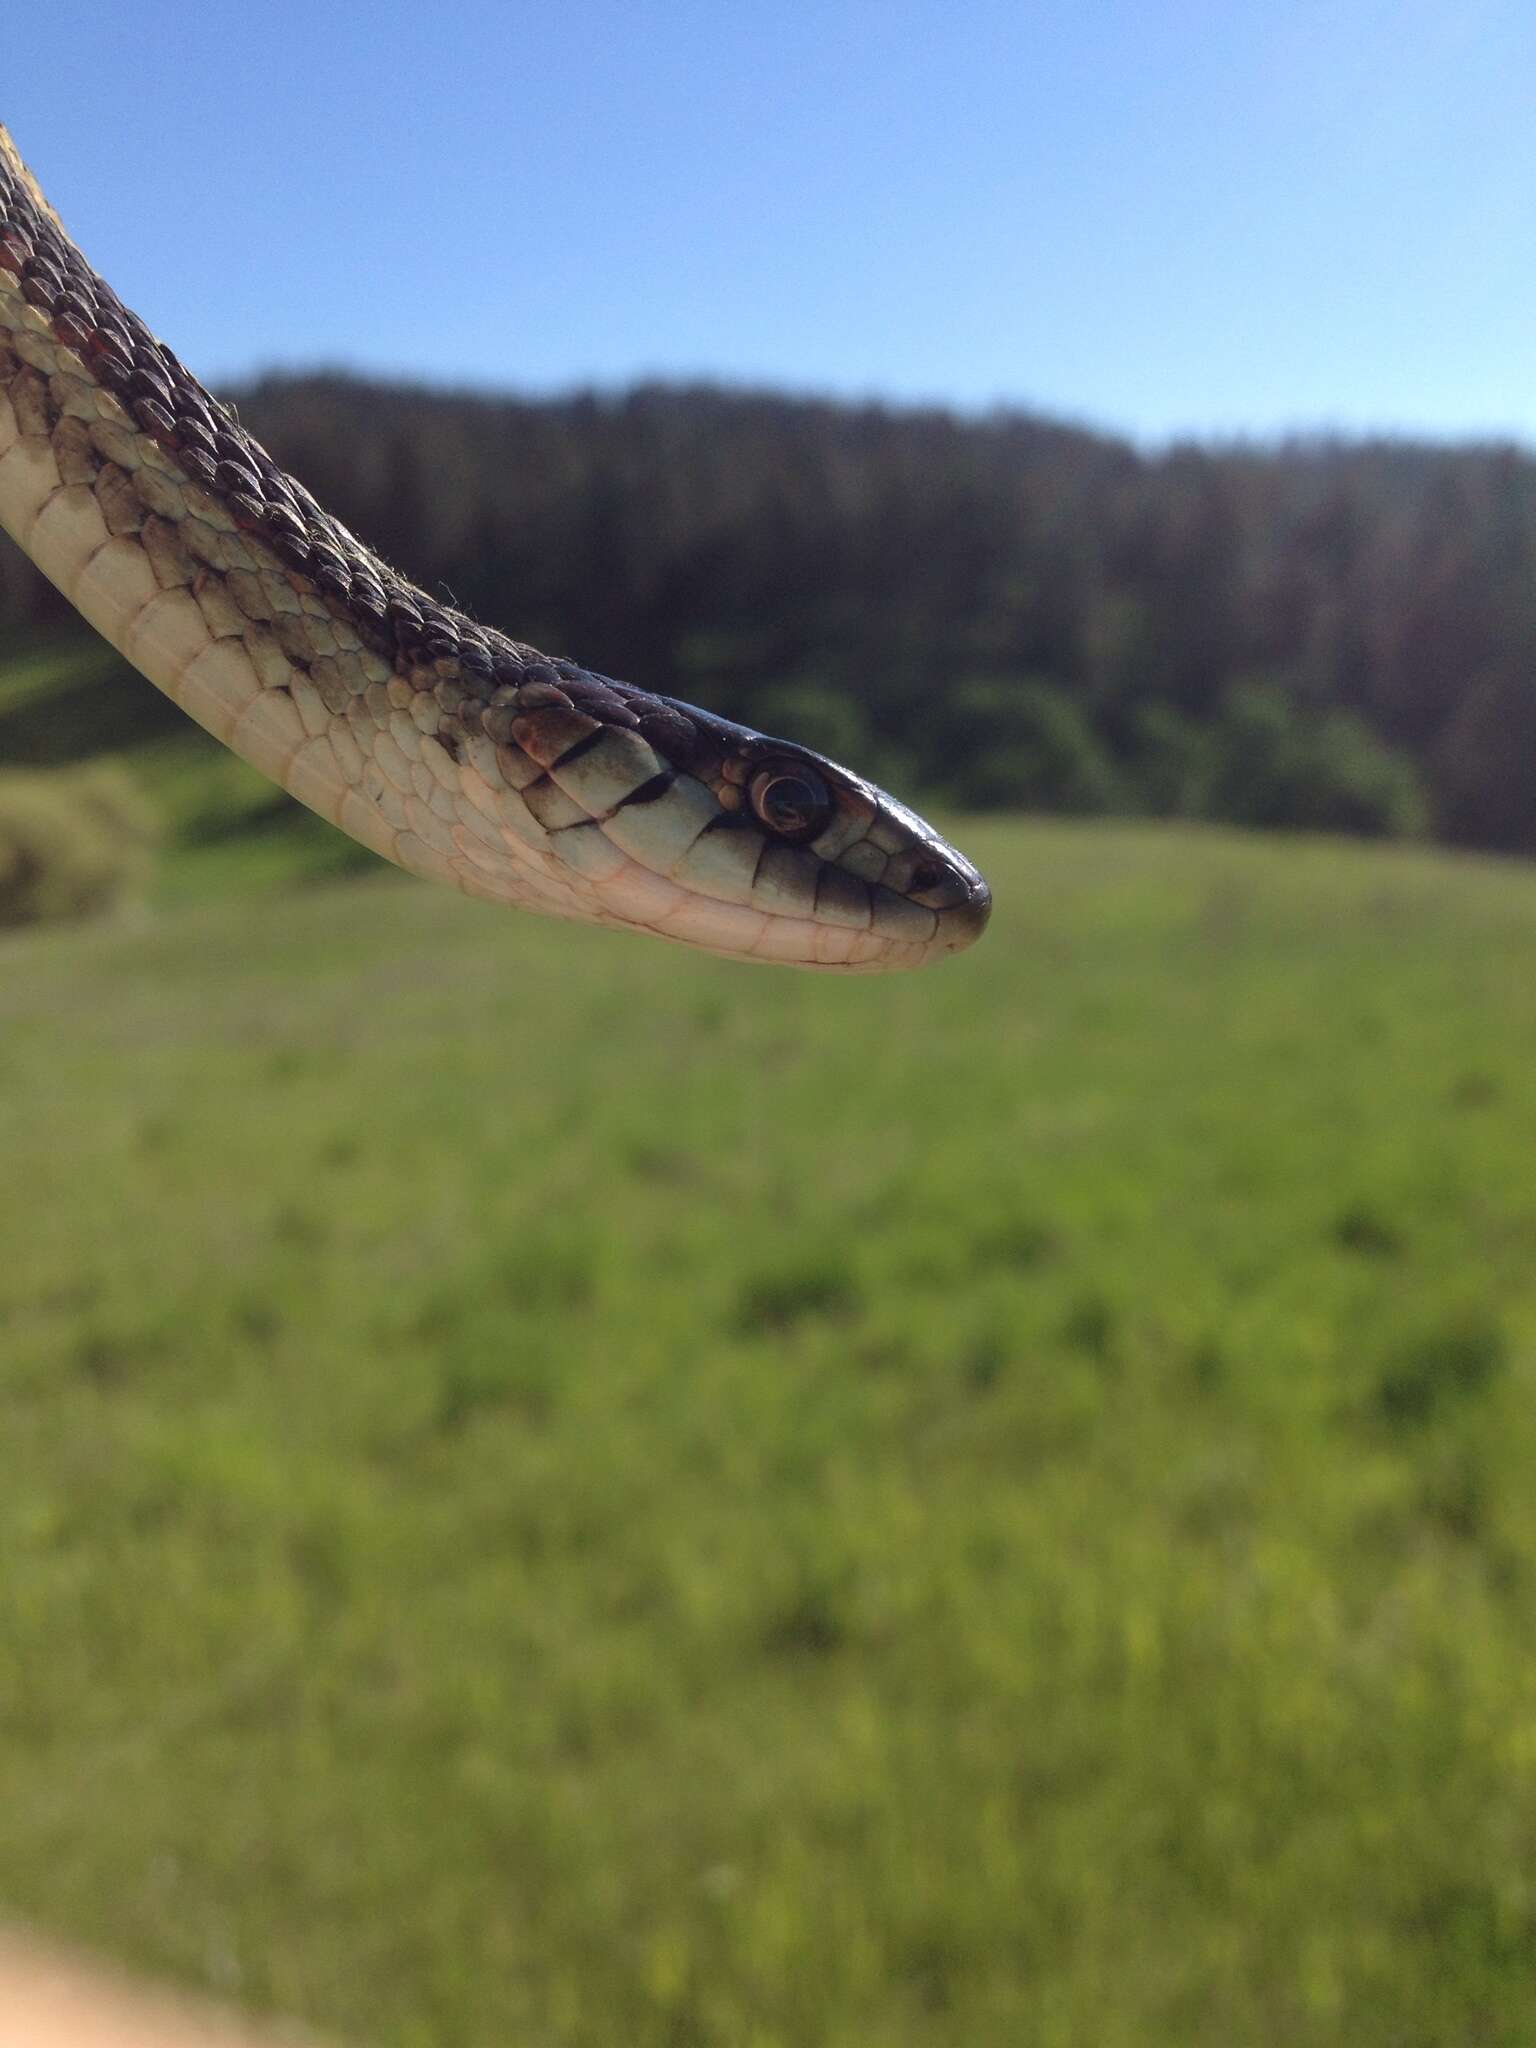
(658, 816)
(442, 744)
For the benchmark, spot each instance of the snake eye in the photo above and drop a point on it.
(791, 800)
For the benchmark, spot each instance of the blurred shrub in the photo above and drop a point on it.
(1174, 762)
(794, 1294)
(1022, 745)
(815, 716)
(1275, 763)
(72, 842)
(1362, 1228)
(1439, 1368)
(1268, 760)
(1263, 759)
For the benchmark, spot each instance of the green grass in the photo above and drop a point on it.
(557, 1492)
(68, 700)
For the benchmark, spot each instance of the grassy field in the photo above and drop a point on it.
(555, 1492)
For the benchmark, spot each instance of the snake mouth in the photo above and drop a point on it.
(734, 891)
(636, 899)
(728, 840)
(964, 924)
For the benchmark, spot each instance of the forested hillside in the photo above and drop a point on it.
(1002, 611)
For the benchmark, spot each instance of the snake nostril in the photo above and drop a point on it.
(943, 885)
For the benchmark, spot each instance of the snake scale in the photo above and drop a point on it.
(438, 742)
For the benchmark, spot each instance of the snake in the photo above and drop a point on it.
(442, 744)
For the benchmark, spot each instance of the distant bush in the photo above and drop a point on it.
(1023, 745)
(1276, 764)
(72, 843)
(1262, 758)
(1174, 762)
(1267, 760)
(816, 713)
(828, 720)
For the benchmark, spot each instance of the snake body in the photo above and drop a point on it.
(440, 743)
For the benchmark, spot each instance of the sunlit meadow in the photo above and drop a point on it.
(560, 1492)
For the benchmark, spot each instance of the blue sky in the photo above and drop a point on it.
(1162, 219)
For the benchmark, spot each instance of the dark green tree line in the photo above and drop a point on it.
(1011, 612)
